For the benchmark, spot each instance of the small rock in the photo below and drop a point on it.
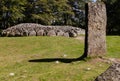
(57, 62)
(11, 74)
(64, 55)
(88, 69)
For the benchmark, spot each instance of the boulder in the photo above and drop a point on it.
(60, 33)
(72, 33)
(32, 33)
(66, 34)
(40, 32)
(111, 74)
(17, 33)
(25, 33)
(12, 33)
(51, 33)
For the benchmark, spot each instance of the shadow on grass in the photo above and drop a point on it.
(63, 60)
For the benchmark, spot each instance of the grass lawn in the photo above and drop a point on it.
(113, 46)
(15, 54)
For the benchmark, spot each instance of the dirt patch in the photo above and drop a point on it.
(82, 38)
(105, 60)
(110, 60)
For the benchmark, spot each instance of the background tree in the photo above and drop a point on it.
(78, 7)
(54, 12)
(49, 12)
(113, 13)
(11, 12)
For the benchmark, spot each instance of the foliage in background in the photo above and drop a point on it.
(54, 12)
(113, 13)
(11, 12)
(46, 12)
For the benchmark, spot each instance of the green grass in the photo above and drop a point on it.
(113, 46)
(15, 54)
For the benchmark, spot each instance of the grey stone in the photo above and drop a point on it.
(95, 42)
(72, 33)
(32, 33)
(80, 31)
(66, 34)
(111, 74)
(17, 34)
(25, 33)
(3, 33)
(40, 32)
(12, 33)
(51, 33)
(60, 33)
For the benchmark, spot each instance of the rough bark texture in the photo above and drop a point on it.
(95, 42)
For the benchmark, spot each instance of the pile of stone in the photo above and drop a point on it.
(31, 29)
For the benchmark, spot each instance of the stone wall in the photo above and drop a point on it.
(31, 29)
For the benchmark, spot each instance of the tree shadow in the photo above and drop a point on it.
(63, 60)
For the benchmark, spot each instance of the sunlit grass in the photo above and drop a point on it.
(15, 54)
(113, 46)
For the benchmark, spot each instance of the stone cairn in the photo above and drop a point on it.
(31, 29)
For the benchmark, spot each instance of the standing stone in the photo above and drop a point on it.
(95, 40)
